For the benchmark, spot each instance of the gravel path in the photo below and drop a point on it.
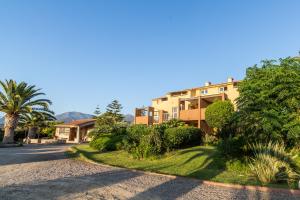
(43, 172)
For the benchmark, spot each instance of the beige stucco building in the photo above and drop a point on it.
(188, 105)
(76, 131)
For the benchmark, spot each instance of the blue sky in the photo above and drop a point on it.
(86, 53)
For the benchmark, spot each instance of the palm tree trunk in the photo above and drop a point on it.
(32, 132)
(10, 125)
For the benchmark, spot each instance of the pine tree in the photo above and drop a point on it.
(114, 109)
(97, 111)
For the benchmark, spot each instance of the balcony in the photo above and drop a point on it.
(189, 115)
(142, 120)
(202, 110)
(144, 115)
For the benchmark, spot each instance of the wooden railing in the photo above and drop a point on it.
(193, 114)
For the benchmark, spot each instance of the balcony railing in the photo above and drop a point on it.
(142, 120)
(192, 114)
(202, 113)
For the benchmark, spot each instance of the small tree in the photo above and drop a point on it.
(35, 120)
(114, 109)
(49, 129)
(218, 114)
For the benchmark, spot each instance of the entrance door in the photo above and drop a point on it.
(72, 134)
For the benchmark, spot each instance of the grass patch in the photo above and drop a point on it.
(201, 162)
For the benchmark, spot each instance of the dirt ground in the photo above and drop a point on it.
(44, 172)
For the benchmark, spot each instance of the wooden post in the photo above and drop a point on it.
(77, 140)
(199, 107)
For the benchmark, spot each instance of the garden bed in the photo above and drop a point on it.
(201, 162)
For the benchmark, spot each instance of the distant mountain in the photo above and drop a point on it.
(71, 116)
(129, 118)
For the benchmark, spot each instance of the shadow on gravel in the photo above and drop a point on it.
(54, 189)
(172, 189)
(270, 195)
(31, 153)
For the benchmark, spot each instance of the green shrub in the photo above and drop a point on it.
(107, 142)
(19, 135)
(232, 147)
(182, 137)
(219, 113)
(151, 144)
(136, 132)
(128, 144)
(209, 139)
(100, 130)
(172, 123)
(272, 164)
(119, 129)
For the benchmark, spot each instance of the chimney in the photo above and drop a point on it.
(230, 80)
(207, 83)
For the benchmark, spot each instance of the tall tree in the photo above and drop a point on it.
(269, 101)
(114, 109)
(17, 99)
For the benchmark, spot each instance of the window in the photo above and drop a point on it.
(61, 130)
(193, 93)
(64, 132)
(204, 92)
(156, 117)
(235, 85)
(180, 93)
(144, 112)
(150, 114)
(222, 89)
(165, 116)
(182, 106)
(175, 112)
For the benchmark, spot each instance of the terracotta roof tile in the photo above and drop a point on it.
(79, 122)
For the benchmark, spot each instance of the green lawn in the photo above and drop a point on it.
(202, 162)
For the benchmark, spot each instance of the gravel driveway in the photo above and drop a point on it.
(44, 172)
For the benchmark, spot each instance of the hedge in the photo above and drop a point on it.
(180, 137)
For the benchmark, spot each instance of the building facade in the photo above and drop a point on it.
(76, 131)
(187, 105)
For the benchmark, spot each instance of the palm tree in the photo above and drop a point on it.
(17, 99)
(35, 120)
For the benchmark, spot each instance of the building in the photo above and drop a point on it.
(75, 131)
(187, 105)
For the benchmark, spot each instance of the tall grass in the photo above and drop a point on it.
(271, 163)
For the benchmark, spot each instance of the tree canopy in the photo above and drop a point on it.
(109, 121)
(18, 99)
(269, 101)
(114, 109)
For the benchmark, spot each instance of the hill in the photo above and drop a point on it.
(71, 116)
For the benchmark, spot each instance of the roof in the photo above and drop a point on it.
(80, 122)
(216, 85)
(201, 87)
(160, 98)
